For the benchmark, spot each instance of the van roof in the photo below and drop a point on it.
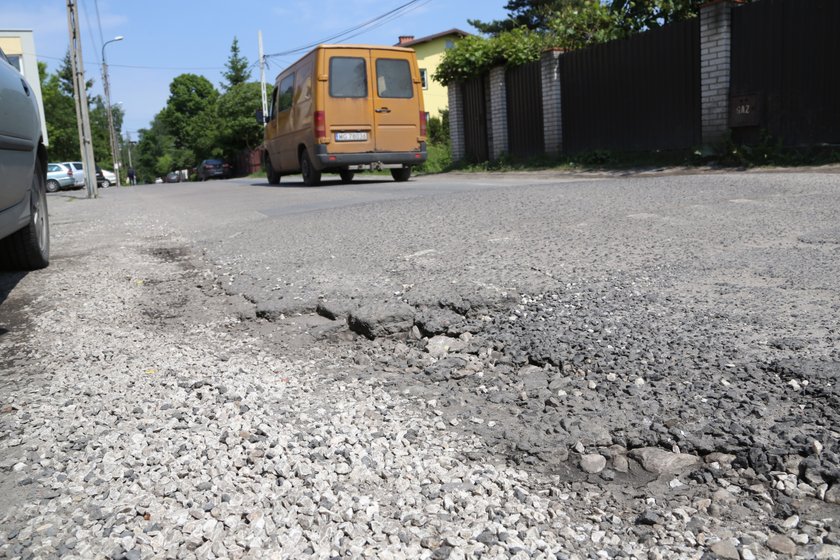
(377, 47)
(329, 46)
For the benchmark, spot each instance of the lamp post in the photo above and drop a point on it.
(111, 133)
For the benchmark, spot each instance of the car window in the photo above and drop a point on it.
(393, 78)
(53, 167)
(78, 166)
(287, 90)
(348, 77)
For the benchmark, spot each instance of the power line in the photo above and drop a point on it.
(398, 11)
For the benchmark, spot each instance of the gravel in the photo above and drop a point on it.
(149, 411)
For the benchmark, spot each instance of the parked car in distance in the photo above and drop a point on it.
(213, 169)
(78, 171)
(173, 177)
(59, 176)
(24, 221)
(105, 178)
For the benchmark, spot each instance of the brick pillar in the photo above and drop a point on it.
(456, 122)
(715, 46)
(552, 103)
(498, 113)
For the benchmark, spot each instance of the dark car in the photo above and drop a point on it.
(213, 169)
(24, 221)
(174, 177)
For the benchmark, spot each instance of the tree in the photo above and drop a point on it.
(190, 118)
(639, 16)
(237, 68)
(588, 24)
(237, 129)
(629, 16)
(60, 117)
(530, 14)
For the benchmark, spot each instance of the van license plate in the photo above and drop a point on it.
(351, 136)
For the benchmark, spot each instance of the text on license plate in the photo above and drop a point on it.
(351, 136)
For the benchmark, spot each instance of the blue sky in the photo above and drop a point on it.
(166, 38)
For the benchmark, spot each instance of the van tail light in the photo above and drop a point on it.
(422, 123)
(320, 125)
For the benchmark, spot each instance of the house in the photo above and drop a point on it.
(19, 47)
(429, 54)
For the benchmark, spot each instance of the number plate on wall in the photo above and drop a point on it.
(351, 136)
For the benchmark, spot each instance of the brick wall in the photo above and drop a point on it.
(715, 45)
(456, 122)
(498, 125)
(552, 103)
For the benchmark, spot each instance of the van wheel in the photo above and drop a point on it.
(311, 176)
(273, 176)
(401, 174)
(346, 175)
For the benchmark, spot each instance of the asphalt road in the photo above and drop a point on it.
(285, 247)
(658, 352)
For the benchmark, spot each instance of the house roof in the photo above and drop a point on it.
(413, 42)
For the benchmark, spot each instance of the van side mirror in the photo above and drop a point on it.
(261, 116)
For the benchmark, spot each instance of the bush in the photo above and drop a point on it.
(439, 128)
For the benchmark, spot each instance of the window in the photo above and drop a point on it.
(348, 77)
(272, 111)
(53, 167)
(450, 43)
(424, 77)
(286, 93)
(393, 78)
(14, 60)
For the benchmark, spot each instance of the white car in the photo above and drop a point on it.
(24, 223)
(105, 178)
(78, 171)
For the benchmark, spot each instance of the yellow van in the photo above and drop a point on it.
(346, 108)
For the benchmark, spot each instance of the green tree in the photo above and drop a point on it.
(237, 71)
(588, 24)
(190, 118)
(530, 14)
(237, 128)
(60, 117)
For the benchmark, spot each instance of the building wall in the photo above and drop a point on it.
(429, 55)
(21, 43)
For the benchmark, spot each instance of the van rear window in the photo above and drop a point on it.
(348, 77)
(393, 78)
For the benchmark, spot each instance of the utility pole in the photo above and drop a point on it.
(115, 149)
(262, 78)
(81, 98)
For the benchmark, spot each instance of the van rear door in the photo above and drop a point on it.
(349, 106)
(396, 107)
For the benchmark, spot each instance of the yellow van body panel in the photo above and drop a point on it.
(347, 105)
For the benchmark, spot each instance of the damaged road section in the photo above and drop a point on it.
(616, 369)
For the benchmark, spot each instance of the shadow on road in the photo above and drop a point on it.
(8, 281)
(323, 185)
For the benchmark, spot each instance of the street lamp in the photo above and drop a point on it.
(111, 133)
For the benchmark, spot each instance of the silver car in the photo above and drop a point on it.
(59, 176)
(78, 171)
(24, 225)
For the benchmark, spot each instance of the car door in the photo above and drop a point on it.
(396, 107)
(348, 107)
(19, 133)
